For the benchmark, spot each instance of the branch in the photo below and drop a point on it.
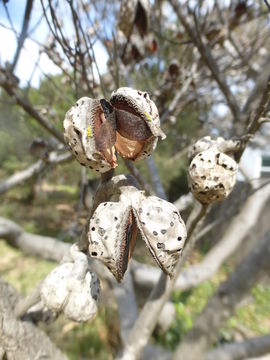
(26, 174)
(23, 35)
(15, 335)
(26, 105)
(249, 348)
(206, 54)
(224, 302)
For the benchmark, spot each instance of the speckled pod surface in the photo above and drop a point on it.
(163, 231)
(127, 15)
(212, 175)
(88, 134)
(111, 236)
(137, 121)
(77, 299)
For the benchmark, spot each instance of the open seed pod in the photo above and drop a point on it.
(76, 298)
(134, 12)
(163, 231)
(90, 133)
(137, 123)
(212, 175)
(112, 236)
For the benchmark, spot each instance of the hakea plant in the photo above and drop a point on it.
(96, 131)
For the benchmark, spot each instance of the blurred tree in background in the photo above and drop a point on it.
(206, 65)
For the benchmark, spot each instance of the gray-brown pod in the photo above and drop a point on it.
(212, 173)
(137, 123)
(90, 133)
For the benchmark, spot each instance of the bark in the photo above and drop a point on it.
(224, 302)
(255, 347)
(21, 340)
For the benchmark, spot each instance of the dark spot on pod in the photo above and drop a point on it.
(148, 214)
(77, 132)
(200, 154)
(231, 168)
(163, 231)
(139, 93)
(216, 178)
(91, 167)
(77, 104)
(193, 166)
(75, 141)
(97, 170)
(209, 161)
(143, 223)
(160, 246)
(171, 223)
(104, 204)
(224, 166)
(115, 218)
(221, 186)
(101, 231)
(207, 188)
(179, 249)
(82, 164)
(76, 152)
(203, 177)
(145, 95)
(94, 253)
(218, 155)
(106, 237)
(97, 221)
(140, 210)
(88, 159)
(155, 233)
(179, 238)
(93, 228)
(95, 297)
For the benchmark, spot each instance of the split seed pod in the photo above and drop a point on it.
(112, 236)
(163, 231)
(137, 123)
(77, 298)
(90, 133)
(212, 175)
(134, 12)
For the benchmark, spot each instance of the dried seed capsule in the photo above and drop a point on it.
(77, 298)
(112, 236)
(90, 133)
(212, 175)
(137, 123)
(163, 231)
(134, 12)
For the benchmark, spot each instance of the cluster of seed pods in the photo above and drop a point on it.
(212, 172)
(128, 124)
(114, 226)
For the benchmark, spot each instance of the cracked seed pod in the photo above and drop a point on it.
(137, 123)
(163, 231)
(212, 175)
(112, 236)
(134, 12)
(90, 133)
(77, 298)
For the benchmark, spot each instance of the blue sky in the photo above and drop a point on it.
(30, 52)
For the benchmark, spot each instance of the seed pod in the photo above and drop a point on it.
(112, 236)
(90, 133)
(134, 12)
(203, 144)
(137, 123)
(77, 298)
(212, 175)
(163, 231)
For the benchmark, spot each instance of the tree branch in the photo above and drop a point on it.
(249, 348)
(224, 302)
